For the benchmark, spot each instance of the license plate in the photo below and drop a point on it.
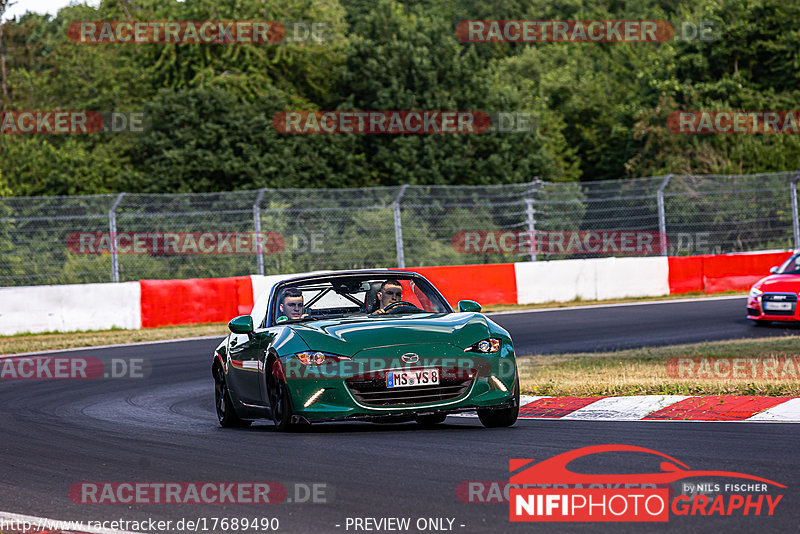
(412, 378)
(777, 305)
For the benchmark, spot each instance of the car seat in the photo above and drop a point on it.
(371, 298)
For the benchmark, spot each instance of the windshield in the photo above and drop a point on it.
(790, 266)
(356, 296)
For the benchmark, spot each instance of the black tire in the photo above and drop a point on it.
(761, 322)
(280, 404)
(503, 417)
(226, 413)
(431, 420)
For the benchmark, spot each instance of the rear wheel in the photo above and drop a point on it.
(503, 417)
(431, 420)
(225, 412)
(279, 403)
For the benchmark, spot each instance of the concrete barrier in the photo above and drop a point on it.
(591, 279)
(69, 307)
(151, 303)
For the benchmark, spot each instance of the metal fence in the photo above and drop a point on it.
(101, 238)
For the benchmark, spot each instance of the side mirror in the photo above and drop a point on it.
(468, 306)
(773, 270)
(241, 325)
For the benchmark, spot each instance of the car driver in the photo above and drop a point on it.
(390, 291)
(291, 305)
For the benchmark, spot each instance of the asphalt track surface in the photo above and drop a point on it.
(162, 428)
(614, 327)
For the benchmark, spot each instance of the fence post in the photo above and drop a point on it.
(257, 228)
(398, 227)
(530, 218)
(112, 229)
(662, 217)
(795, 224)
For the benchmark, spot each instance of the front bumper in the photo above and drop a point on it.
(758, 307)
(467, 382)
(397, 417)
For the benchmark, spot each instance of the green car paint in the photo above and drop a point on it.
(258, 374)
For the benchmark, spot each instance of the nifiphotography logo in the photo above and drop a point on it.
(578, 497)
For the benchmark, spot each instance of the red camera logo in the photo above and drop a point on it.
(569, 498)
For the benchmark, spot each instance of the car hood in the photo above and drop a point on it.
(779, 283)
(348, 336)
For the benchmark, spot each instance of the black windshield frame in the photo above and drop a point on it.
(353, 279)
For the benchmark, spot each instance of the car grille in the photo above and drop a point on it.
(375, 392)
(768, 299)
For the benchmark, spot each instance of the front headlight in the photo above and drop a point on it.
(485, 346)
(755, 293)
(313, 357)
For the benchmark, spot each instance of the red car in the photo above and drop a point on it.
(774, 298)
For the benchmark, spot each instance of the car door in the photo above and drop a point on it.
(247, 354)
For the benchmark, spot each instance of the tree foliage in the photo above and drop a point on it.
(600, 108)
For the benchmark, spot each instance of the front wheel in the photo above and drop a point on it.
(762, 322)
(503, 417)
(226, 414)
(279, 402)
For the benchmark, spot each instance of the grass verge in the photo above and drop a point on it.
(644, 371)
(57, 340)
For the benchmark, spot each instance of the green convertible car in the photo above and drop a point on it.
(380, 345)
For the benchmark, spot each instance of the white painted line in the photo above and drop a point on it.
(18, 522)
(96, 347)
(787, 412)
(630, 408)
(541, 419)
(527, 399)
(590, 306)
(636, 407)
